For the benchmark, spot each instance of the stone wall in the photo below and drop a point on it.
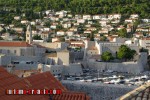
(98, 91)
(131, 67)
(55, 46)
(18, 51)
(5, 60)
(73, 69)
(22, 65)
(63, 57)
(54, 69)
(114, 47)
(143, 59)
(22, 62)
(77, 55)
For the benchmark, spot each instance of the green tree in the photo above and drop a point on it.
(37, 37)
(122, 33)
(107, 56)
(140, 7)
(132, 53)
(17, 39)
(49, 39)
(47, 23)
(125, 53)
(59, 27)
(143, 50)
(92, 37)
(3, 31)
(8, 19)
(103, 38)
(1, 38)
(62, 39)
(135, 24)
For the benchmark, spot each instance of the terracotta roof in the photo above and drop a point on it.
(44, 81)
(38, 45)
(14, 44)
(19, 73)
(51, 55)
(64, 50)
(139, 33)
(92, 48)
(110, 38)
(95, 57)
(145, 38)
(9, 81)
(71, 96)
(140, 93)
(45, 33)
(76, 41)
(77, 45)
(58, 41)
(38, 81)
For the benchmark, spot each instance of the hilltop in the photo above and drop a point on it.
(127, 7)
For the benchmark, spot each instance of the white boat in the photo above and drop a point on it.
(144, 77)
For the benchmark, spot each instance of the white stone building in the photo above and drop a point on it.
(114, 16)
(80, 20)
(60, 33)
(96, 17)
(87, 17)
(145, 43)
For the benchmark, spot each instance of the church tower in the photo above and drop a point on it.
(29, 34)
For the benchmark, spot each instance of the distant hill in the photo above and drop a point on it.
(142, 7)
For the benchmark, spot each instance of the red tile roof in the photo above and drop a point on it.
(145, 38)
(38, 81)
(39, 46)
(14, 44)
(92, 48)
(44, 80)
(71, 96)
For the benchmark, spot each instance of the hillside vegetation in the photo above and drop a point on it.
(126, 7)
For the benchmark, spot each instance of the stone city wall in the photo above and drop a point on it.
(131, 67)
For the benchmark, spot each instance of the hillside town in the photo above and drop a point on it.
(106, 49)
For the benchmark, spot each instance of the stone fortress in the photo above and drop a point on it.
(93, 51)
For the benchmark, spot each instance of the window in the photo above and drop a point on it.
(16, 62)
(8, 51)
(27, 62)
(30, 62)
(15, 51)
